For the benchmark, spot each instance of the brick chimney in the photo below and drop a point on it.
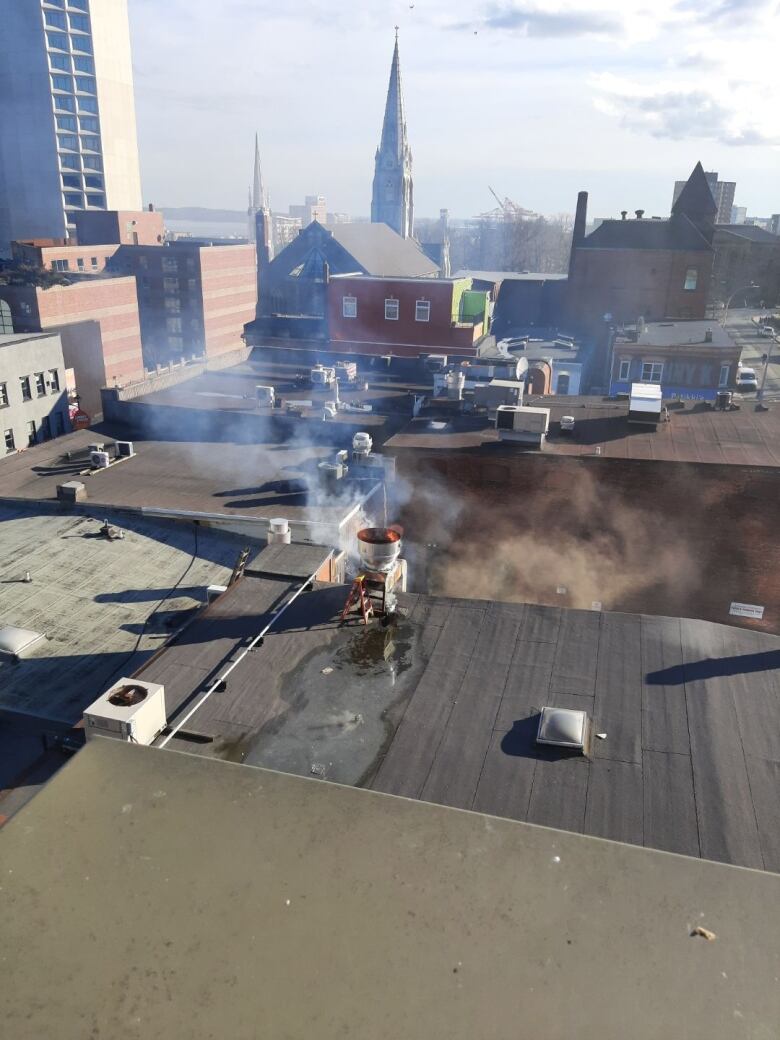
(580, 222)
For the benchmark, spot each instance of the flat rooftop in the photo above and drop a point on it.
(695, 433)
(233, 479)
(224, 394)
(443, 707)
(682, 333)
(104, 606)
(196, 899)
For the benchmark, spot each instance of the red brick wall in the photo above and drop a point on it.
(627, 283)
(44, 256)
(370, 333)
(112, 303)
(111, 226)
(229, 287)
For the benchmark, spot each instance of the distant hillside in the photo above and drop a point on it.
(200, 213)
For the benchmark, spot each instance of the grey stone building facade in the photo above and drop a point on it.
(33, 398)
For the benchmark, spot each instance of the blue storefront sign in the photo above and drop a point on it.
(670, 393)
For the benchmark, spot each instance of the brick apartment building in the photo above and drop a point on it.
(192, 298)
(403, 316)
(644, 267)
(99, 327)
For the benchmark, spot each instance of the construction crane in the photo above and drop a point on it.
(507, 209)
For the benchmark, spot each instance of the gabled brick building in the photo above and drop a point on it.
(645, 267)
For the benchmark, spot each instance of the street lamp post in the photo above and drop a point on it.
(736, 292)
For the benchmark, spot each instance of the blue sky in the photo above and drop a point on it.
(537, 100)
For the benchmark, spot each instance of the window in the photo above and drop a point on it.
(652, 371)
(6, 321)
(171, 284)
(60, 61)
(45, 428)
(3, 395)
(93, 261)
(80, 5)
(79, 22)
(71, 180)
(93, 182)
(96, 201)
(349, 306)
(63, 103)
(173, 324)
(81, 43)
(26, 391)
(57, 41)
(192, 285)
(54, 380)
(172, 304)
(88, 104)
(90, 124)
(62, 83)
(169, 265)
(85, 84)
(84, 65)
(176, 343)
(725, 372)
(56, 3)
(66, 122)
(143, 263)
(59, 424)
(74, 199)
(625, 369)
(69, 142)
(55, 19)
(80, 263)
(32, 434)
(190, 264)
(60, 265)
(40, 384)
(691, 279)
(70, 162)
(92, 162)
(391, 310)
(10, 444)
(422, 311)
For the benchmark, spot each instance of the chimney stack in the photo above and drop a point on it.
(639, 213)
(708, 335)
(151, 207)
(623, 214)
(580, 222)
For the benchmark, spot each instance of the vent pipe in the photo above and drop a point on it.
(708, 335)
(639, 213)
(623, 214)
(279, 532)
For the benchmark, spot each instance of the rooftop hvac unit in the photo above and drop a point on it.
(131, 710)
(265, 395)
(362, 444)
(279, 532)
(99, 459)
(97, 446)
(124, 449)
(322, 376)
(526, 425)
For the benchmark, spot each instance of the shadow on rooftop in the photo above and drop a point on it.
(714, 667)
(520, 742)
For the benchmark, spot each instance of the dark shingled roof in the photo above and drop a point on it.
(677, 233)
(382, 252)
(696, 198)
(747, 231)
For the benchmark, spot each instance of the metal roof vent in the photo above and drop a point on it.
(563, 727)
(18, 642)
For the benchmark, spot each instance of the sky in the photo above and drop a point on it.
(538, 100)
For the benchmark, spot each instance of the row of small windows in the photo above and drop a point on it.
(39, 380)
(78, 63)
(45, 433)
(74, 180)
(87, 123)
(85, 84)
(59, 42)
(68, 103)
(74, 22)
(75, 200)
(79, 5)
(653, 372)
(64, 265)
(422, 309)
(89, 143)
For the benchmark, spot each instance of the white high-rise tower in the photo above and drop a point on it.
(67, 113)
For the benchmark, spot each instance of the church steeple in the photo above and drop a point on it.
(393, 194)
(258, 200)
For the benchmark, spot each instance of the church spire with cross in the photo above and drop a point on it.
(258, 200)
(392, 200)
